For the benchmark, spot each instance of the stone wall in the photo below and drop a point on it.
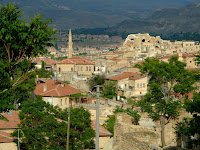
(132, 137)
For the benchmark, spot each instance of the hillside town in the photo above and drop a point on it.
(138, 93)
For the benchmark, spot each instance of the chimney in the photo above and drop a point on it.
(45, 88)
(62, 85)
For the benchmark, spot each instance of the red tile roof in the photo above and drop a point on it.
(118, 52)
(55, 89)
(102, 131)
(47, 61)
(188, 55)
(167, 57)
(183, 55)
(123, 76)
(12, 123)
(66, 61)
(13, 120)
(5, 137)
(77, 60)
(137, 77)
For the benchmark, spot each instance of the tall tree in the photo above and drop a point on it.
(19, 43)
(110, 89)
(98, 79)
(44, 126)
(189, 127)
(166, 79)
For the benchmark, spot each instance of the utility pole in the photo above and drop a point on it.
(18, 140)
(68, 126)
(97, 119)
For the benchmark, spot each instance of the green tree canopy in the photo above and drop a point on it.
(189, 127)
(20, 41)
(110, 89)
(44, 126)
(166, 81)
(95, 80)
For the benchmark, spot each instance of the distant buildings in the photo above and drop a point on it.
(131, 84)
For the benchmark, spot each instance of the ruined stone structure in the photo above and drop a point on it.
(133, 137)
(145, 46)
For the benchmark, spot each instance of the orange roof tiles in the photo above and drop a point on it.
(167, 57)
(136, 77)
(47, 61)
(12, 123)
(5, 137)
(118, 52)
(13, 120)
(188, 55)
(77, 60)
(123, 76)
(183, 55)
(66, 61)
(54, 88)
(102, 131)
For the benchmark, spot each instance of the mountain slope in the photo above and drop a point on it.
(183, 19)
(92, 13)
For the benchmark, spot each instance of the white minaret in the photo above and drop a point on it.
(70, 43)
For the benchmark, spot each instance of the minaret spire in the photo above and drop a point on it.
(70, 43)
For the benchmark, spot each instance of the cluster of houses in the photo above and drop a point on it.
(115, 65)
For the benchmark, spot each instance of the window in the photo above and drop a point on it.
(66, 101)
(81, 68)
(89, 68)
(86, 68)
(50, 100)
(78, 68)
(59, 70)
(125, 86)
(143, 85)
(140, 92)
(71, 69)
(140, 85)
(61, 102)
(190, 61)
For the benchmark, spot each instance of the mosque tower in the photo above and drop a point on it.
(70, 43)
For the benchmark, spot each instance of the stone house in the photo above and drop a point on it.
(81, 65)
(56, 92)
(131, 84)
(189, 59)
